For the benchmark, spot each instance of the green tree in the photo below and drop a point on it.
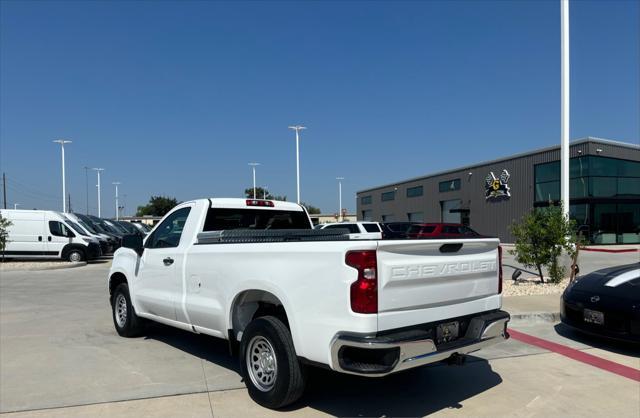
(157, 206)
(4, 234)
(540, 238)
(311, 209)
(261, 193)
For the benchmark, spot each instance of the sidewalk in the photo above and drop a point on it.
(533, 308)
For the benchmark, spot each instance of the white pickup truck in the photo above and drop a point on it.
(286, 296)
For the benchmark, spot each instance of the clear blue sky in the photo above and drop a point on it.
(175, 98)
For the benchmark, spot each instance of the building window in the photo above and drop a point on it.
(387, 218)
(414, 191)
(415, 216)
(449, 185)
(590, 176)
(367, 215)
(386, 196)
(365, 200)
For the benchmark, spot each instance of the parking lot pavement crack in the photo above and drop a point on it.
(206, 385)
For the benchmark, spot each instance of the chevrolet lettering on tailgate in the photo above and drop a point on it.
(445, 269)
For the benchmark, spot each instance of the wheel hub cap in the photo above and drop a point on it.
(120, 310)
(262, 363)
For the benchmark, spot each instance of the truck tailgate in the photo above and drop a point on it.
(423, 281)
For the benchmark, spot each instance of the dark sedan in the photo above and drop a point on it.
(605, 303)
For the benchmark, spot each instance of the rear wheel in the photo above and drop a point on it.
(269, 364)
(125, 320)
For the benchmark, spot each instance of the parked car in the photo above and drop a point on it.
(129, 227)
(93, 222)
(47, 234)
(144, 229)
(441, 230)
(357, 230)
(395, 230)
(605, 303)
(108, 228)
(286, 296)
(103, 240)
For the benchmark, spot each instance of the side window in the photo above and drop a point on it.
(168, 233)
(58, 229)
(371, 227)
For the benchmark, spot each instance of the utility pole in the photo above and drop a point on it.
(297, 128)
(340, 198)
(564, 104)
(116, 183)
(64, 182)
(4, 189)
(253, 166)
(98, 170)
(264, 192)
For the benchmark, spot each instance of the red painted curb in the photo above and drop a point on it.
(610, 366)
(605, 250)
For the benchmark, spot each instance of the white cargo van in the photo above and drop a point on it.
(46, 234)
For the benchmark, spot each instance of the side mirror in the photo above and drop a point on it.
(133, 241)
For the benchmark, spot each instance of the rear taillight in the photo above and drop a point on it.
(364, 291)
(499, 269)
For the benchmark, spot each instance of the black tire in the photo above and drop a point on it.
(130, 325)
(289, 382)
(75, 256)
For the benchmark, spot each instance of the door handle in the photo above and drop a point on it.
(168, 261)
(40, 239)
(48, 238)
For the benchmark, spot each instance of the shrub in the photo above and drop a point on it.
(540, 238)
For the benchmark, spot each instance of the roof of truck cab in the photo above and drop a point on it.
(236, 203)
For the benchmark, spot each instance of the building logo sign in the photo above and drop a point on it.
(497, 187)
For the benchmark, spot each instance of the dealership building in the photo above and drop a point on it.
(490, 196)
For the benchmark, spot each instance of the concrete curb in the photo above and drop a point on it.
(64, 266)
(535, 317)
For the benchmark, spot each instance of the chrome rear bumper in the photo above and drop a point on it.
(482, 331)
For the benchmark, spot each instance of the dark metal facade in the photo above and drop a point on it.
(489, 217)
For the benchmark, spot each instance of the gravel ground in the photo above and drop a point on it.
(35, 265)
(532, 286)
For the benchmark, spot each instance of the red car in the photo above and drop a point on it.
(441, 230)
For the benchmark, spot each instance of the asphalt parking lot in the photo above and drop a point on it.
(61, 357)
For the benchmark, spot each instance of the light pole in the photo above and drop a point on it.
(340, 197)
(297, 128)
(116, 183)
(564, 105)
(86, 185)
(15, 206)
(253, 166)
(98, 170)
(64, 182)
(264, 192)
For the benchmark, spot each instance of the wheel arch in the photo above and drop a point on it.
(115, 279)
(253, 303)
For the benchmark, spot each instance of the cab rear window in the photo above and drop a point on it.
(252, 219)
